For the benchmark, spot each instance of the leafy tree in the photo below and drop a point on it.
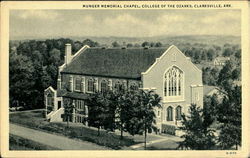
(145, 44)
(152, 44)
(197, 135)
(54, 57)
(90, 43)
(210, 54)
(203, 56)
(210, 108)
(21, 72)
(158, 44)
(236, 74)
(97, 111)
(68, 110)
(129, 45)
(136, 45)
(225, 76)
(229, 114)
(238, 54)
(122, 110)
(197, 58)
(115, 44)
(110, 104)
(227, 52)
(148, 101)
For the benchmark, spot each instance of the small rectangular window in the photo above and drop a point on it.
(77, 84)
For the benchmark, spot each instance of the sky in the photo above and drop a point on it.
(123, 23)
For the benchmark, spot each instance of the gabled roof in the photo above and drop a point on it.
(114, 62)
(222, 59)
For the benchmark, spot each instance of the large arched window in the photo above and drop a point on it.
(173, 82)
(178, 112)
(169, 113)
(50, 100)
(91, 85)
(104, 86)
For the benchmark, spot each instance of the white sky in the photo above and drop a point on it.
(126, 23)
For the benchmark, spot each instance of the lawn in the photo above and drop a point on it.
(36, 120)
(19, 143)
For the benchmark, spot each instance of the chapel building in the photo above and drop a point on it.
(167, 71)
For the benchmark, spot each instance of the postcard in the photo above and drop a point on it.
(124, 79)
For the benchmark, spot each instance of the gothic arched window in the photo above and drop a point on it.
(173, 82)
(169, 113)
(50, 100)
(178, 112)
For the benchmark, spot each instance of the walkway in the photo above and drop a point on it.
(163, 140)
(52, 140)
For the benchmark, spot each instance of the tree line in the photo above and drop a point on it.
(221, 114)
(128, 111)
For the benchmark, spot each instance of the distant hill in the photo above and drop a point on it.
(202, 39)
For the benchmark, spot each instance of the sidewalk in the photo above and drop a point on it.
(164, 139)
(52, 140)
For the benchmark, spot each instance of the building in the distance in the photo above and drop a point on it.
(221, 61)
(173, 76)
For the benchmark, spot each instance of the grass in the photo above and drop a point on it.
(36, 120)
(19, 143)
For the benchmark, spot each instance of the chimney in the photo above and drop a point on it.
(68, 53)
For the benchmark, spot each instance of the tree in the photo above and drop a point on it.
(122, 110)
(54, 57)
(21, 79)
(225, 76)
(97, 115)
(158, 44)
(210, 108)
(68, 110)
(145, 44)
(129, 45)
(197, 58)
(227, 52)
(148, 101)
(236, 74)
(238, 54)
(229, 114)
(203, 56)
(115, 44)
(90, 43)
(210, 54)
(197, 135)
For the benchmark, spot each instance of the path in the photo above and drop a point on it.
(164, 139)
(52, 140)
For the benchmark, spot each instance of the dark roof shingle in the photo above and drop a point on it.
(122, 63)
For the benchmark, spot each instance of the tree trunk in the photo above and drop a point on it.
(145, 138)
(121, 133)
(67, 121)
(98, 131)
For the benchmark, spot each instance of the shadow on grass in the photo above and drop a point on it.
(36, 120)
